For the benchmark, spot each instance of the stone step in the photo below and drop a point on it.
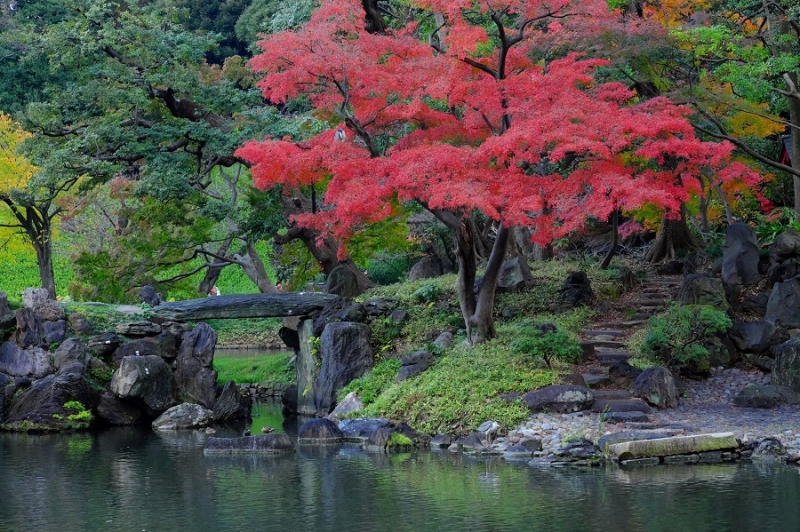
(654, 295)
(620, 324)
(633, 323)
(611, 395)
(676, 445)
(626, 417)
(606, 358)
(603, 343)
(620, 405)
(593, 380)
(641, 316)
(604, 332)
(597, 370)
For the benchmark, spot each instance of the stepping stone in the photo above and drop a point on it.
(606, 358)
(634, 323)
(641, 317)
(597, 370)
(608, 332)
(594, 380)
(626, 417)
(672, 446)
(620, 405)
(611, 395)
(657, 296)
(603, 343)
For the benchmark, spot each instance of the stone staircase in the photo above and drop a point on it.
(605, 345)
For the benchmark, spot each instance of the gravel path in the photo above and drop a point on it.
(706, 406)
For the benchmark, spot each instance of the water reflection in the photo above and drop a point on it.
(132, 480)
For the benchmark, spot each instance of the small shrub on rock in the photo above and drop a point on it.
(548, 342)
(684, 336)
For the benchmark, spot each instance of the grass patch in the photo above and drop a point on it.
(370, 386)
(266, 368)
(460, 391)
(245, 331)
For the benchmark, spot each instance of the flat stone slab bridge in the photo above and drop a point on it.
(277, 305)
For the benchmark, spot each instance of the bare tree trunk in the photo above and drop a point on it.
(251, 263)
(44, 259)
(614, 241)
(673, 235)
(212, 272)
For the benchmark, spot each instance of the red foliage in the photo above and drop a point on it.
(473, 126)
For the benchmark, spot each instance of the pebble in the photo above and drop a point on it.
(706, 406)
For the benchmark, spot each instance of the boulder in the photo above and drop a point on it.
(320, 430)
(786, 246)
(342, 281)
(623, 375)
(149, 296)
(380, 306)
(769, 449)
(265, 443)
(346, 354)
(79, 323)
(752, 336)
(472, 443)
(290, 338)
(784, 300)
(54, 331)
(699, 289)
(620, 405)
(577, 290)
(41, 406)
(183, 416)
(103, 345)
(33, 363)
(785, 270)
(135, 348)
(425, 268)
(399, 316)
(625, 417)
(361, 429)
(441, 441)
(414, 364)
(230, 405)
(559, 398)
(740, 256)
(4, 309)
(671, 446)
(444, 340)
(7, 388)
(514, 275)
(195, 374)
(350, 403)
(755, 303)
(581, 452)
(786, 369)
(166, 343)
(657, 387)
(138, 329)
(339, 310)
(289, 400)
(39, 300)
(116, 411)
(72, 350)
(146, 380)
(769, 396)
(29, 328)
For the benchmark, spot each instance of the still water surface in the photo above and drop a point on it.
(131, 479)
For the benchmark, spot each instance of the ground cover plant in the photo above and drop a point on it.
(263, 368)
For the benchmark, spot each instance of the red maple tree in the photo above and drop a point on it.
(465, 120)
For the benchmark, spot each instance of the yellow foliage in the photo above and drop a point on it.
(15, 170)
(672, 13)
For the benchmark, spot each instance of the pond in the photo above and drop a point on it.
(131, 479)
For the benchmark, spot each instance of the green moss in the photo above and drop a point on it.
(371, 385)
(399, 440)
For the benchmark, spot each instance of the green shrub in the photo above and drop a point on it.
(80, 418)
(429, 292)
(681, 337)
(546, 341)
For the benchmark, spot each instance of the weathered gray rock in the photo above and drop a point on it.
(267, 443)
(752, 336)
(414, 364)
(786, 246)
(622, 374)
(787, 269)
(79, 323)
(4, 309)
(769, 396)
(582, 452)
(289, 400)
(657, 387)
(346, 355)
(620, 405)
(29, 328)
(72, 350)
(625, 417)
(671, 446)
(319, 431)
(350, 403)
(54, 331)
(138, 329)
(380, 306)
(444, 340)
(166, 343)
(183, 416)
(273, 305)
(577, 290)
(769, 449)
(740, 256)
(425, 268)
(230, 405)
(441, 441)
(559, 398)
(629, 435)
(399, 315)
(786, 370)
(119, 412)
(755, 303)
(138, 348)
(517, 452)
(784, 300)
(514, 275)
(360, 429)
(472, 443)
(103, 345)
(342, 281)
(195, 374)
(33, 362)
(699, 289)
(148, 295)
(339, 310)
(41, 406)
(146, 380)
(39, 300)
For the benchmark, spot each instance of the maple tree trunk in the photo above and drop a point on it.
(44, 259)
(673, 235)
(252, 265)
(477, 304)
(614, 241)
